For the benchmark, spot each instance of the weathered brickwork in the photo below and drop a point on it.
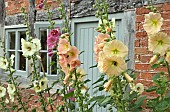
(142, 54)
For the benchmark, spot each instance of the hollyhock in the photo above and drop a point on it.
(37, 87)
(74, 64)
(154, 59)
(99, 43)
(100, 62)
(12, 60)
(71, 98)
(66, 79)
(63, 46)
(50, 52)
(159, 43)
(167, 57)
(53, 38)
(108, 85)
(28, 48)
(139, 88)
(113, 65)
(72, 54)
(153, 22)
(11, 88)
(43, 83)
(115, 48)
(3, 63)
(2, 91)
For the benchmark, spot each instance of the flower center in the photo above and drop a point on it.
(114, 63)
(154, 22)
(115, 51)
(0, 91)
(138, 88)
(29, 48)
(42, 83)
(4, 62)
(160, 42)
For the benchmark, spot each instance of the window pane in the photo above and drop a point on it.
(11, 40)
(54, 65)
(22, 34)
(9, 54)
(22, 62)
(44, 61)
(43, 35)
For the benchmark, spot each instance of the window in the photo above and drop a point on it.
(13, 46)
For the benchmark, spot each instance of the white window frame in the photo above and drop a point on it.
(21, 27)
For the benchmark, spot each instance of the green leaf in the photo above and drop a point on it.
(33, 110)
(86, 81)
(132, 96)
(93, 66)
(68, 95)
(105, 101)
(155, 77)
(155, 66)
(140, 100)
(153, 88)
(99, 80)
(96, 98)
(163, 105)
(167, 95)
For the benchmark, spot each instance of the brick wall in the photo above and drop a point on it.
(13, 6)
(142, 54)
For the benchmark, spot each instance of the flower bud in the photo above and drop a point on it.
(128, 78)
(109, 30)
(108, 85)
(153, 59)
(66, 79)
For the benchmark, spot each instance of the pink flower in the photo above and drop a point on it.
(99, 43)
(41, 5)
(74, 64)
(63, 46)
(72, 54)
(53, 37)
(50, 52)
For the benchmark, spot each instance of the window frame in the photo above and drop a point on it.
(20, 28)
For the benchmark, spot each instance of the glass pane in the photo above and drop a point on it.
(44, 61)
(9, 54)
(54, 65)
(22, 62)
(43, 35)
(11, 40)
(22, 34)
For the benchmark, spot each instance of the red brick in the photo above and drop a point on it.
(137, 26)
(140, 18)
(145, 59)
(166, 25)
(141, 27)
(140, 50)
(142, 67)
(166, 15)
(144, 42)
(147, 75)
(141, 34)
(137, 43)
(166, 7)
(142, 10)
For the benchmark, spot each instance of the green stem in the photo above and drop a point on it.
(167, 65)
(42, 101)
(121, 92)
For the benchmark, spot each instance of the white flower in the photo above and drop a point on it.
(28, 48)
(12, 60)
(6, 101)
(167, 58)
(11, 88)
(154, 59)
(80, 74)
(2, 91)
(153, 22)
(37, 42)
(159, 43)
(3, 63)
(39, 57)
(36, 87)
(11, 96)
(139, 88)
(115, 48)
(43, 83)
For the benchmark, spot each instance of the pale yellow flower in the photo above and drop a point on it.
(11, 96)
(12, 59)
(37, 87)
(159, 43)
(128, 78)
(113, 66)
(11, 88)
(2, 91)
(167, 58)
(43, 83)
(139, 88)
(28, 48)
(100, 61)
(153, 22)
(3, 63)
(80, 74)
(6, 101)
(115, 48)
